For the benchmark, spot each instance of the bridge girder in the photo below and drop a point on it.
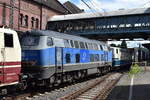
(110, 27)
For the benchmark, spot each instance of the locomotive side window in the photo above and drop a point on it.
(76, 44)
(71, 42)
(49, 41)
(82, 45)
(96, 57)
(8, 38)
(91, 57)
(77, 58)
(68, 58)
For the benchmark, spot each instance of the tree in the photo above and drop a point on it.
(113, 45)
(123, 44)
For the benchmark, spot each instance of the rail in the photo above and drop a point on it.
(96, 91)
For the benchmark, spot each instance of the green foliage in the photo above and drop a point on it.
(113, 45)
(123, 44)
(135, 69)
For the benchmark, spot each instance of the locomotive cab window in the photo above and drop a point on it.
(8, 39)
(30, 41)
(49, 41)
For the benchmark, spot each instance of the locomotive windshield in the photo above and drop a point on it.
(30, 41)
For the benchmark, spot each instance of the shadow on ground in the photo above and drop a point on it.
(140, 92)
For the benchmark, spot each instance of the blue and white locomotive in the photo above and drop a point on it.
(122, 57)
(50, 57)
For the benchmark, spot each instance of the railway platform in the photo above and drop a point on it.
(135, 87)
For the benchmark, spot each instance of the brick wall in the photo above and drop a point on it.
(24, 15)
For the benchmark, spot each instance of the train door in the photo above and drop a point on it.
(2, 57)
(59, 60)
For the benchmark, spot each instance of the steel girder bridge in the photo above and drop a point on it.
(131, 23)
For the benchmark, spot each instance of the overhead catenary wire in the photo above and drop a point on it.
(95, 5)
(148, 2)
(88, 7)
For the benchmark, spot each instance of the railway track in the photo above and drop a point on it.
(96, 91)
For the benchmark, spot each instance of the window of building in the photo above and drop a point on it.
(82, 45)
(71, 42)
(32, 22)
(25, 20)
(77, 58)
(68, 60)
(8, 39)
(21, 19)
(49, 41)
(37, 23)
(76, 44)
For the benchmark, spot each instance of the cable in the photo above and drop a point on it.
(94, 7)
(88, 7)
(144, 3)
(97, 7)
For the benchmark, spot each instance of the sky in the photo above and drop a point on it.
(109, 5)
(112, 5)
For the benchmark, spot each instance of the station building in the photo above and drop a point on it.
(23, 15)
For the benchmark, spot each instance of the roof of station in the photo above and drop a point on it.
(121, 12)
(54, 4)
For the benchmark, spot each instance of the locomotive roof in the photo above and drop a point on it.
(62, 36)
(8, 30)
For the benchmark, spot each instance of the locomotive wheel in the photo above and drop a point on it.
(52, 80)
(99, 72)
(75, 75)
(79, 74)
